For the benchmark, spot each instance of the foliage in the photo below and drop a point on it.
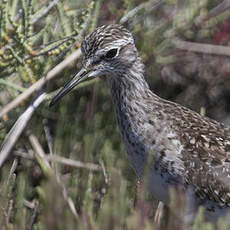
(97, 188)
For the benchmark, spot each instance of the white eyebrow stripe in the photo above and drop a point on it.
(118, 43)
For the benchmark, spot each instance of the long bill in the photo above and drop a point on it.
(76, 79)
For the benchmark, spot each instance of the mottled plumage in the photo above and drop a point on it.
(186, 149)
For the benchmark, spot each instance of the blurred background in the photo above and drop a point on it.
(184, 45)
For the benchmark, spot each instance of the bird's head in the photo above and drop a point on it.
(108, 50)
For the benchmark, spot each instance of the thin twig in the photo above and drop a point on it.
(45, 11)
(223, 6)
(69, 201)
(158, 215)
(74, 163)
(12, 170)
(201, 48)
(63, 160)
(39, 150)
(104, 172)
(28, 204)
(146, 5)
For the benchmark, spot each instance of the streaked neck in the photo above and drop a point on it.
(130, 83)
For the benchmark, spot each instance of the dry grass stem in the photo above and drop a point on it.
(159, 214)
(202, 48)
(45, 11)
(146, 5)
(38, 149)
(12, 170)
(223, 6)
(64, 161)
(17, 129)
(74, 163)
(29, 204)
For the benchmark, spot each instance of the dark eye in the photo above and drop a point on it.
(111, 53)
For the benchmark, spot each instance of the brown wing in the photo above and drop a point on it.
(206, 156)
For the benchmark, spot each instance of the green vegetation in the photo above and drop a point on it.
(68, 168)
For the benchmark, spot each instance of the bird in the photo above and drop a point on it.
(179, 147)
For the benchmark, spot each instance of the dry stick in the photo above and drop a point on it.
(28, 204)
(38, 85)
(201, 48)
(158, 215)
(39, 150)
(64, 161)
(44, 12)
(17, 129)
(104, 172)
(223, 6)
(12, 170)
(73, 163)
(133, 12)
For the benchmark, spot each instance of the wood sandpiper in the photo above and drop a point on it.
(188, 150)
